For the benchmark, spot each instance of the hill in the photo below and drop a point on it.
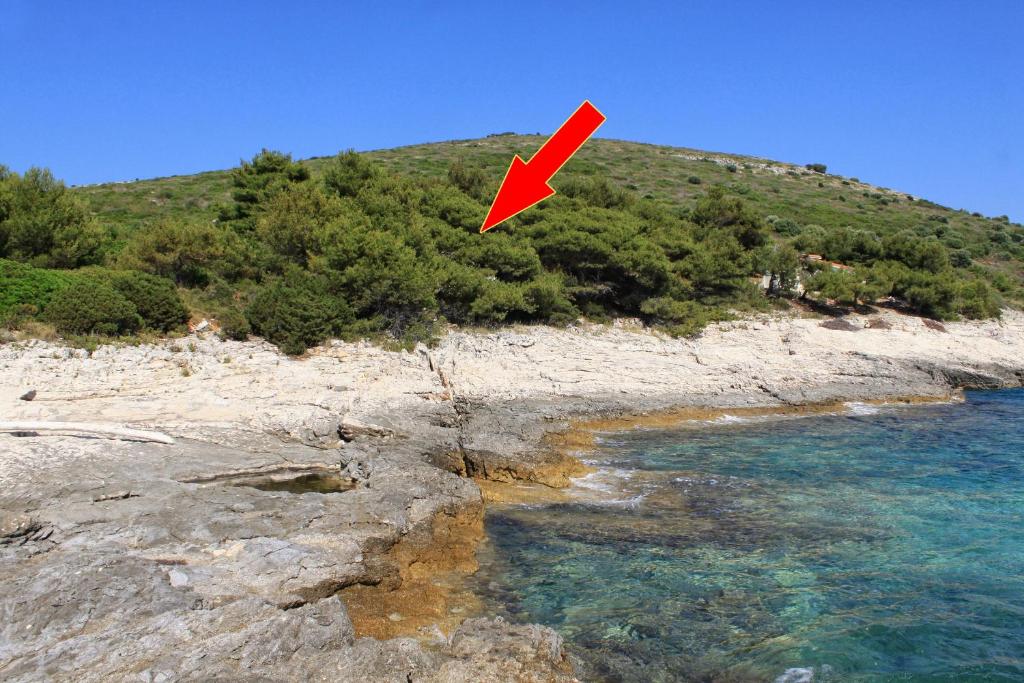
(773, 188)
(386, 242)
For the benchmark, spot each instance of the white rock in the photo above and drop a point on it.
(177, 578)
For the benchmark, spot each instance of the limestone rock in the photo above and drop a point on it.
(135, 561)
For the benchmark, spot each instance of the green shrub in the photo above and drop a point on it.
(960, 258)
(348, 173)
(817, 168)
(717, 211)
(453, 208)
(234, 325)
(22, 285)
(932, 295)
(508, 258)
(297, 313)
(926, 254)
(976, 300)
(498, 301)
(471, 180)
(155, 299)
(258, 180)
(18, 315)
(458, 287)
(290, 220)
(91, 307)
(716, 267)
(953, 241)
(548, 298)
(999, 238)
(786, 227)
(596, 192)
(840, 286)
(185, 252)
(399, 253)
(383, 276)
(680, 318)
(782, 264)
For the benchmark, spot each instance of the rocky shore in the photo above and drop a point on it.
(313, 517)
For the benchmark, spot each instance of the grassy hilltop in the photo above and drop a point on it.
(386, 242)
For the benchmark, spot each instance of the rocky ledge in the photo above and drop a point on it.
(314, 516)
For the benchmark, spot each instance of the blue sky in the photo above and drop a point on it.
(925, 97)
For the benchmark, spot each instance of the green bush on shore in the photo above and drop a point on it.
(125, 301)
(23, 287)
(155, 299)
(234, 325)
(297, 312)
(91, 307)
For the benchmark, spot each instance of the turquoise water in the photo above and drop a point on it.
(882, 544)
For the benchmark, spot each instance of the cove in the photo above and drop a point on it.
(876, 544)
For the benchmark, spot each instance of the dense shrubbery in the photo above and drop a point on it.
(90, 300)
(298, 312)
(918, 269)
(184, 252)
(357, 250)
(155, 299)
(25, 290)
(362, 251)
(88, 306)
(234, 325)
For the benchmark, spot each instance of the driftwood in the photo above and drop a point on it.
(90, 428)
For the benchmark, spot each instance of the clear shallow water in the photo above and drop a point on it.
(881, 545)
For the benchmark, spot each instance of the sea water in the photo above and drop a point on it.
(877, 544)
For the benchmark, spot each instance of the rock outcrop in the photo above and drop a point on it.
(314, 516)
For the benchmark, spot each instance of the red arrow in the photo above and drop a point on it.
(526, 184)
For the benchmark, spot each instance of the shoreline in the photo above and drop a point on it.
(165, 528)
(584, 433)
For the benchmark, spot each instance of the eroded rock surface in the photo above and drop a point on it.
(151, 562)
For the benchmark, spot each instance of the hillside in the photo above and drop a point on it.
(386, 243)
(773, 188)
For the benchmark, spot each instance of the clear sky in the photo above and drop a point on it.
(925, 97)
